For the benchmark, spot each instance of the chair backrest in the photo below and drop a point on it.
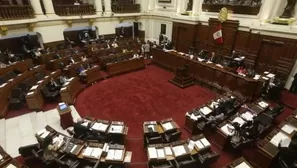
(24, 86)
(11, 75)
(211, 158)
(155, 140)
(190, 162)
(175, 136)
(39, 76)
(16, 93)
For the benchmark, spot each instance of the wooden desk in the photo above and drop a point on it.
(93, 75)
(5, 90)
(71, 69)
(67, 148)
(21, 66)
(7, 160)
(125, 66)
(54, 64)
(34, 97)
(209, 74)
(70, 90)
(239, 162)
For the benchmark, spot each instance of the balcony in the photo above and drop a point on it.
(11, 12)
(74, 10)
(126, 8)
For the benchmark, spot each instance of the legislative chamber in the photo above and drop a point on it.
(148, 84)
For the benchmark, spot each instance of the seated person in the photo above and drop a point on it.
(11, 57)
(212, 58)
(229, 102)
(202, 54)
(251, 72)
(288, 154)
(76, 3)
(37, 53)
(241, 71)
(233, 55)
(48, 153)
(107, 44)
(53, 86)
(57, 56)
(114, 45)
(79, 129)
(135, 56)
(154, 44)
(62, 79)
(83, 58)
(250, 128)
(81, 71)
(71, 60)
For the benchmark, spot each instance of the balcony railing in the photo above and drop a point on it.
(126, 8)
(74, 10)
(10, 12)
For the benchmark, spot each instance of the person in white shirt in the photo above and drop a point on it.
(71, 60)
(83, 58)
(114, 45)
(76, 3)
(135, 56)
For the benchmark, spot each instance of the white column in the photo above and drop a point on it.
(98, 7)
(269, 9)
(49, 7)
(107, 5)
(152, 5)
(37, 8)
(197, 7)
(179, 6)
(144, 6)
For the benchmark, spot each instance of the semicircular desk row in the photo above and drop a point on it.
(114, 64)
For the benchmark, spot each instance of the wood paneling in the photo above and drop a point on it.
(183, 36)
(261, 51)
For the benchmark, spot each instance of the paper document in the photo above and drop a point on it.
(11, 166)
(191, 145)
(73, 149)
(167, 126)
(1, 86)
(152, 153)
(168, 151)
(288, 129)
(199, 145)
(160, 153)
(205, 142)
(238, 120)
(179, 150)
(265, 78)
(247, 116)
(110, 154)
(116, 129)
(1, 157)
(271, 75)
(118, 154)
(263, 104)
(195, 118)
(285, 143)
(243, 165)
(45, 134)
(228, 129)
(266, 72)
(99, 126)
(278, 137)
(63, 88)
(205, 110)
(88, 151)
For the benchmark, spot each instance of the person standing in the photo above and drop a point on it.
(293, 88)
(147, 48)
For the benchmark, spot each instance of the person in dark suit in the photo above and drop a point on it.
(57, 56)
(80, 130)
(213, 57)
(53, 86)
(293, 88)
(289, 154)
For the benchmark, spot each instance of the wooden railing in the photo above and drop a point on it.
(126, 8)
(9, 12)
(74, 10)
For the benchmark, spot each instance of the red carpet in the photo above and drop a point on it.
(147, 95)
(289, 99)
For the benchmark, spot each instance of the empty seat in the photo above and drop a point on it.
(16, 101)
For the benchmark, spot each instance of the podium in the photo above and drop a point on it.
(182, 78)
(66, 119)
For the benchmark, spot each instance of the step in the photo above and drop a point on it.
(27, 131)
(2, 133)
(13, 136)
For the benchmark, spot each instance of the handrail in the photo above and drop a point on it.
(9, 12)
(73, 10)
(126, 8)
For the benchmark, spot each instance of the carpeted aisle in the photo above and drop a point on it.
(137, 97)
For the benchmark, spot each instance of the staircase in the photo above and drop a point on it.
(20, 131)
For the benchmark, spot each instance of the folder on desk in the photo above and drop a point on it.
(152, 153)
(116, 129)
(263, 104)
(288, 129)
(191, 145)
(247, 116)
(278, 137)
(92, 152)
(115, 154)
(228, 129)
(205, 142)
(205, 110)
(179, 150)
(168, 151)
(243, 165)
(167, 126)
(100, 127)
(239, 120)
(11, 166)
(34, 87)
